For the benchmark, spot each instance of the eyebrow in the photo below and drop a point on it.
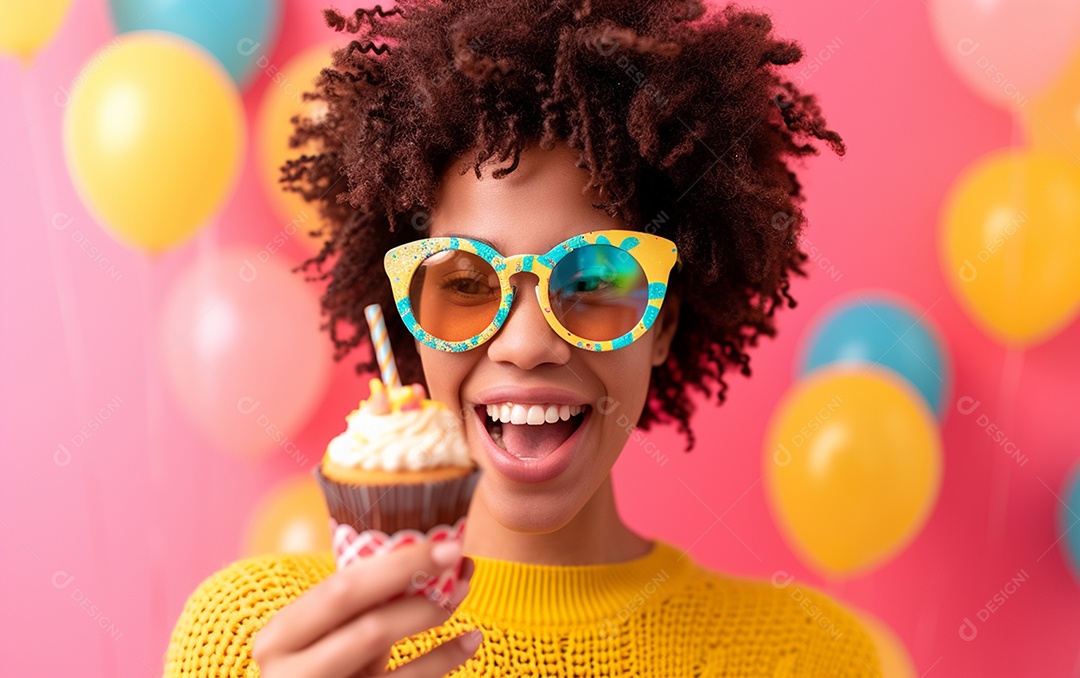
(490, 244)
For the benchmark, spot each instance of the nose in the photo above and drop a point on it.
(525, 339)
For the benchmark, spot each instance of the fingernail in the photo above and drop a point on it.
(446, 553)
(467, 568)
(470, 641)
(461, 590)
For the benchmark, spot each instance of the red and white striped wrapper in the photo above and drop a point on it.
(350, 545)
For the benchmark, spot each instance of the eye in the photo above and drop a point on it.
(594, 278)
(468, 286)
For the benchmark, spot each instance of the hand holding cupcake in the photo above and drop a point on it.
(399, 473)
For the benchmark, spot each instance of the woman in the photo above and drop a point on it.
(521, 127)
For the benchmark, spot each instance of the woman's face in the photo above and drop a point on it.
(538, 476)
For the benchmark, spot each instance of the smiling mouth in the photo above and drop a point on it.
(531, 432)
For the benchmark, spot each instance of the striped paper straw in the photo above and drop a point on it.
(381, 341)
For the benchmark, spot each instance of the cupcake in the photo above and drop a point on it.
(400, 472)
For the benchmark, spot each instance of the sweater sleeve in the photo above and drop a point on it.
(216, 630)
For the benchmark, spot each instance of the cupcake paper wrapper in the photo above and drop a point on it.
(350, 545)
(390, 508)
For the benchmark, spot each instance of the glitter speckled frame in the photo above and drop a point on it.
(654, 254)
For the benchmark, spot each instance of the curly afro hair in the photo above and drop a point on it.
(678, 115)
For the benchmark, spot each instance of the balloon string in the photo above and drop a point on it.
(154, 452)
(1012, 365)
(69, 321)
(61, 274)
(926, 623)
(1011, 372)
(1018, 186)
(207, 250)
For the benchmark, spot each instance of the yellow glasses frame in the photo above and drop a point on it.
(655, 255)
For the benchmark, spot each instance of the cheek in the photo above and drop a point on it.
(625, 372)
(444, 373)
(625, 377)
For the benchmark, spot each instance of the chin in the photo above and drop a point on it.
(519, 512)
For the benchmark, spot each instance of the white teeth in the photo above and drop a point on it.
(533, 415)
(518, 414)
(536, 415)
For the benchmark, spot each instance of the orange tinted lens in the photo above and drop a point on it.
(454, 295)
(599, 292)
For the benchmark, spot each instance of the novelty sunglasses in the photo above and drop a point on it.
(599, 291)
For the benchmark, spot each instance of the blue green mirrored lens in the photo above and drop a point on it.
(598, 292)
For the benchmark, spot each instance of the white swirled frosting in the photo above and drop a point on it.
(410, 440)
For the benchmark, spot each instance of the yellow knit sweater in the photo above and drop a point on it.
(659, 615)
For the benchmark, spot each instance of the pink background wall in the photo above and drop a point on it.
(147, 507)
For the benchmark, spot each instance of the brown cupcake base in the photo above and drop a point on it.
(393, 507)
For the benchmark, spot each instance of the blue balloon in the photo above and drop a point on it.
(1069, 519)
(237, 32)
(874, 329)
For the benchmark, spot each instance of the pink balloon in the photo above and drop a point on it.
(244, 355)
(1007, 50)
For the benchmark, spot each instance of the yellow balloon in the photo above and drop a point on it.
(1010, 244)
(1053, 118)
(292, 518)
(892, 655)
(153, 137)
(852, 466)
(26, 26)
(281, 101)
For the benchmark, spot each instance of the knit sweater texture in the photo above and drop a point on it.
(659, 615)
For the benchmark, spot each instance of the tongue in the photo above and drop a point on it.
(535, 442)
